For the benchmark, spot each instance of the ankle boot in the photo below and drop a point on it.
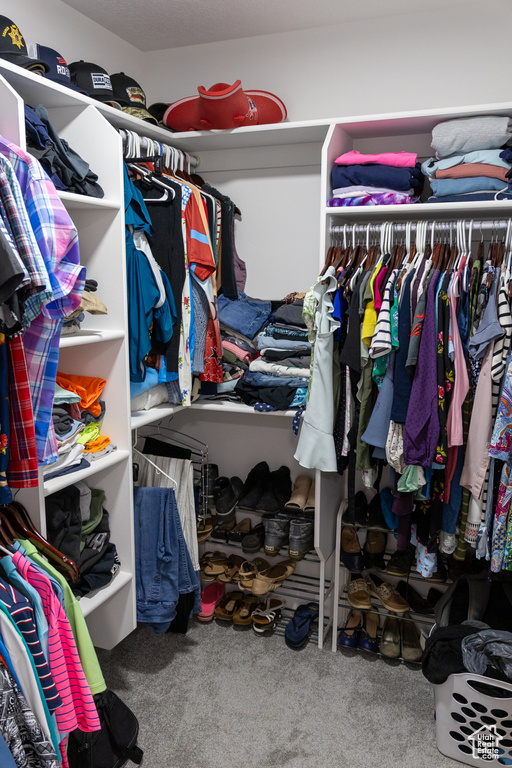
(301, 538)
(276, 534)
(254, 486)
(278, 489)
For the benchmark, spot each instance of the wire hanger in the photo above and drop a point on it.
(158, 470)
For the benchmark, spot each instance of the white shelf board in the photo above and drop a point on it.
(143, 418)
(73, 201)
(89, 603)
(58, 483)
(225, 406)
(84, 336)
(487, 208)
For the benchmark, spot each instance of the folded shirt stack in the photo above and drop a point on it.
(77, 414)
(89, 303)
(469, 163)
(279, 377)
(386, 178)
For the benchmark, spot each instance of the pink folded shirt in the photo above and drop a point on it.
(396, 159)
(242, 355)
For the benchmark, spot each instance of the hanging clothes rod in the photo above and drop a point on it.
(404, 226)
(142, 147)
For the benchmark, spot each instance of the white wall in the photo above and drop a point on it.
(430, 59)
(52, 23)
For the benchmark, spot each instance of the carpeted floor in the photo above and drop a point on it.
(217, 698)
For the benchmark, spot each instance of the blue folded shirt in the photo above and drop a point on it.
(400, 179)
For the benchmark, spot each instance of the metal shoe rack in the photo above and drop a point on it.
(301, 587)
(341, 606)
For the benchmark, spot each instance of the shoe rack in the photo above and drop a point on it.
(341, 606)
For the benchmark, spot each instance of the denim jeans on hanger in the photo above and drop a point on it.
(163, 566)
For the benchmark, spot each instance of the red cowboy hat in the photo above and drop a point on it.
(224, 106)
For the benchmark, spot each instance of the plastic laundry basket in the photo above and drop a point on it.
(474, 720)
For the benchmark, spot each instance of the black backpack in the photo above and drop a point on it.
(114, 744)
(476, 596)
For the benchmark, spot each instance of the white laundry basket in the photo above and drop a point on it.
(474, 720)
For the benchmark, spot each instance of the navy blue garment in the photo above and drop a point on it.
(402, 378)
(36, 129)
(164, 570)
(401, 179)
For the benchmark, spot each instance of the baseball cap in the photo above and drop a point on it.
(130, 95)
(158, 110)
(92, 79)
(58, 70)
(14, 49)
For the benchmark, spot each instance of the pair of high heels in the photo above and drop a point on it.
(360, 631)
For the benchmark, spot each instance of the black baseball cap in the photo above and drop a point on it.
(13, 48)
(92, 79)
(58, 70)
(130, 95)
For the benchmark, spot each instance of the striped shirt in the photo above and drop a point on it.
(78, 709)
(22, 613)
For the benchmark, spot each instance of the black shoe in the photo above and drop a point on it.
(375, 516)
(373, 550)
(416, 601)
(277, 490)
(226, 493)
(254, 486)
(401, 561)
(361, 505)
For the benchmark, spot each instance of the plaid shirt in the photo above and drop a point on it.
(57, 240)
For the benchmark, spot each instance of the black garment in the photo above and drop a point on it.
(157, 447)
(280, 397)
(59, 159)
(96, 544)
(100, 574)
(168, 250)
(275, 355)
(350, 352)
(443, 653)
(89, 418)
(62, 421)
(183, 610)
(64, 521)
(290, 314)
(227, 233)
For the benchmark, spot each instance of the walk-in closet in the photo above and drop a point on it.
(256, 375)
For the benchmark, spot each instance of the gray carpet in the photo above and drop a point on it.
(217, 698)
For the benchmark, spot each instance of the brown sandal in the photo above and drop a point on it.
(242, 618)
(272, 577)
(228, 605)
(231, 569)
(212, 564)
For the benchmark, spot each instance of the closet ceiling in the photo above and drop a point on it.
(155, 25)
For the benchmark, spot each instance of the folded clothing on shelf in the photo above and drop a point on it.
(394, 159)
(383, 176)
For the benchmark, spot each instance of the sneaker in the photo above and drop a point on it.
(276, 534)
(401, 561)
(301, 538)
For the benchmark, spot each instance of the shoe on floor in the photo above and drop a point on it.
(367, 639)
(351, 555)
(265, 617)
(298, 629)
(348, 636)
(210, 598)
(390, 640)
(358, 592)
(387, 594)
(410, 640)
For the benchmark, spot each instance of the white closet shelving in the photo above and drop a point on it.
(279, 175)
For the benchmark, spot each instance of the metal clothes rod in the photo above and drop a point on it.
(403, 226)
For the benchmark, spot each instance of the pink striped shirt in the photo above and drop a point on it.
(78, 709)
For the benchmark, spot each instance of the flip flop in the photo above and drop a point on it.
(242, 618)
(210, 598)
(226, 608)
(296, 634)
(213, 565)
